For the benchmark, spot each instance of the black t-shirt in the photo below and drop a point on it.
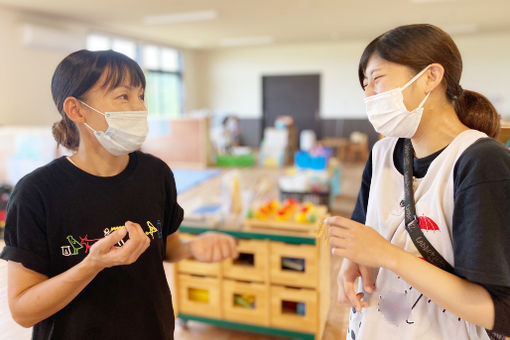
(58, 211)
(481, 217)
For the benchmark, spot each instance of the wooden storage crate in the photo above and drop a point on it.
(252, 263)
(309, 289)
(288, 226)
(294, 265)
(199, 295)
(246, 302)
(294, 308)
(190, 266)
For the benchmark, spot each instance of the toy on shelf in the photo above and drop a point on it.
(244, 301)
(289, 215)
(198, 295)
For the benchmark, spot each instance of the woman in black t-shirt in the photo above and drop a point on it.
(86, 235)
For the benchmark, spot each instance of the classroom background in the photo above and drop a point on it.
(257, 108)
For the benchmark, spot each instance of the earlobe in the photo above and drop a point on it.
(72, 108)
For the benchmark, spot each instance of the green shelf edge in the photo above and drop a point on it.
(250, 235)
(248, 327)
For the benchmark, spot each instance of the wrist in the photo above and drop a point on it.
(90, 266)
(394, 258)
(186, 249)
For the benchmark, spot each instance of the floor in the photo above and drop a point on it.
(336, 323)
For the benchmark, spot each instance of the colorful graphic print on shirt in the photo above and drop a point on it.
(83, 245)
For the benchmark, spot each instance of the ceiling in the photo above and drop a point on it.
(245, 22)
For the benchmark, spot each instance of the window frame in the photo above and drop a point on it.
(139, 46)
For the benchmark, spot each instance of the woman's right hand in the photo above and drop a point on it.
(106, 253)
(347, 275)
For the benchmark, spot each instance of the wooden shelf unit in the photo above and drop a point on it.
(279, 285)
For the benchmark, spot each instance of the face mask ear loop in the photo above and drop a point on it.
(90, 128)
(414, 78)
(90, 107)
(424, 100)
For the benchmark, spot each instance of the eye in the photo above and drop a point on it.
(142, 96)
(123, 96)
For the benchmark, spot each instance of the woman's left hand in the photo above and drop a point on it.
(359, 243)
(213, 247)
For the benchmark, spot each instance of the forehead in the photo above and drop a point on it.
(118, 76)
(376, 63)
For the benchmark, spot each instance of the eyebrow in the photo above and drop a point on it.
(375, 69)
(127, 87)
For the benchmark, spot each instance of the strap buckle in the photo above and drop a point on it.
(414, 220)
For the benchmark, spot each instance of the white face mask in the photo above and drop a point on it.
(126, 131)
(388, 114)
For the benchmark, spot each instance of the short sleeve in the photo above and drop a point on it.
(25, 230)
(174, 214)
(360, 210)
(481, 218)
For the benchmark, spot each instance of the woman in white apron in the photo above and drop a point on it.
(461, 194)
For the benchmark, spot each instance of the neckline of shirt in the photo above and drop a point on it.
(69, 165)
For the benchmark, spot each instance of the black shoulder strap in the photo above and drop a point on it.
(427, 250)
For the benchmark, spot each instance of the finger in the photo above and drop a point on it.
(225, 248)
(137, 243)
(216, 253)
(340, 243)
(134, 229)
(109, 241)
(342, 297)
(352, 297)
(233, 247)
(137, 234)
(361, 303)
(341, 252)
(343, 222)
(338, 231)
(366, 277)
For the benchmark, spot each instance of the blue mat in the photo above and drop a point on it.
(186, 179)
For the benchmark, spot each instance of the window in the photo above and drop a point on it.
(162, 67)
(164, 80)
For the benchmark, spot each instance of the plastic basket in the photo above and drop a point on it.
(235, 161)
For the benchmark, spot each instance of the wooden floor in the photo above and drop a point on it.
(336, 324)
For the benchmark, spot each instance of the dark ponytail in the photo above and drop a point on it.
(79, 72)
(66, 133)
(477, 112)
(418, 46)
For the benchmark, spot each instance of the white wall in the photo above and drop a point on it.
(232, 78)
(25, 74)
(486, 61)
(26, 71)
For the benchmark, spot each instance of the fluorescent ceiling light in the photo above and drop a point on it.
(246, 41)
(180, 17)
(460, 28)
